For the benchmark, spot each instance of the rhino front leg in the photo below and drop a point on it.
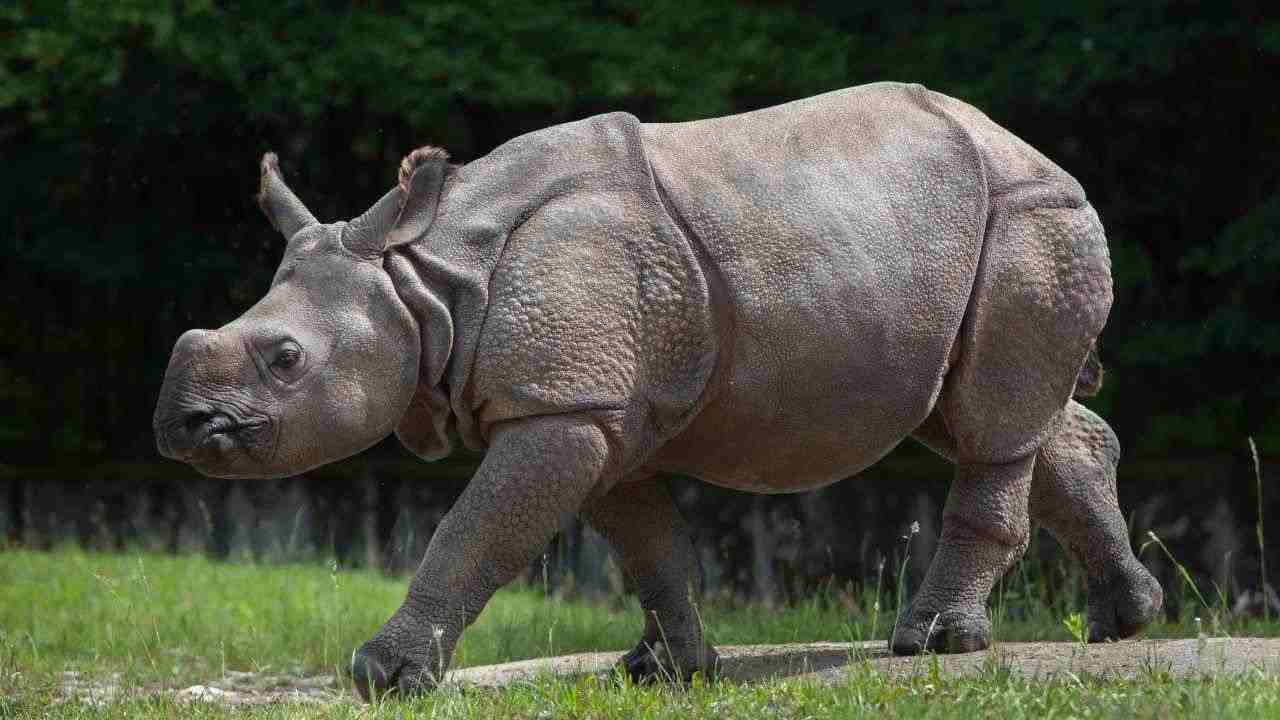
(645, 529)
(534, 477)
(984, 531)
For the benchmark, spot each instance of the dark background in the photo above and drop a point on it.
(130, 134)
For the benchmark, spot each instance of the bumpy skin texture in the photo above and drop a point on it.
(642, 523)
(519, 498)
(769, 302)
(1073, 496)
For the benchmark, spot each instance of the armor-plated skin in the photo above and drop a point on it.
(769, 302)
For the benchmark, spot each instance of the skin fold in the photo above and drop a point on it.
(769, 302)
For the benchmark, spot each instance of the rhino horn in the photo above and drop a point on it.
(285, 211)
(405, 213)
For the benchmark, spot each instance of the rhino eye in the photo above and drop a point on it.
(287, 361)
(287, 358)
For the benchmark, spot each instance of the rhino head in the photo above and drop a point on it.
(326, 363)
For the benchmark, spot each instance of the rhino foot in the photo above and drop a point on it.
(647, 663)
(377, 672)
(1123, 604)
(949, 631)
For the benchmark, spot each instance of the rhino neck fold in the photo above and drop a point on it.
(443, 279)
(447, 278)
(444, 276)
(428, 426)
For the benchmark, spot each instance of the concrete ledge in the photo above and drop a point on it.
(829, 662)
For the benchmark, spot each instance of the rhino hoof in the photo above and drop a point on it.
(1122, 606)
(376, 675)
(654, 663)
(369, 676)
(946, 632)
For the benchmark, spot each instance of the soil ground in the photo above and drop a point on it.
(822, 662)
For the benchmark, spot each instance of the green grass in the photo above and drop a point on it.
(864, 694)
(161, 621)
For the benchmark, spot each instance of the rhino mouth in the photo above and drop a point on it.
(216, 441)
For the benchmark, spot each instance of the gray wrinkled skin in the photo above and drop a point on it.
(769, 302)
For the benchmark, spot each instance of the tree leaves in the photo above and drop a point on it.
(130, 133)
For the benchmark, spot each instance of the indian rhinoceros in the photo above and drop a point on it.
(768, 302)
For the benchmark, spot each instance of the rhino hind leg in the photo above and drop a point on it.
(984, 531)
(646, 531)
(1073, 496)
(1040, 298)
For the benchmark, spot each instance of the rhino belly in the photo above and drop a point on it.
(845, 232)
(806, 404)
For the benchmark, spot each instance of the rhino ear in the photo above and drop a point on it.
(404, 214)
(285, 211)
(422, 174)
(366, 236)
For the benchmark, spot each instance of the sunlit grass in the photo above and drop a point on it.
(168, 622)
(863, 693)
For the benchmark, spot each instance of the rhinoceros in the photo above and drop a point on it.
(769, 302)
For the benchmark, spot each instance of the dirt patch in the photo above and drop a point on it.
(234, 689)
(822, 662)
(246, 688)
(93, 691)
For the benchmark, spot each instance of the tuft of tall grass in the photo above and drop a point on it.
(1260, 531)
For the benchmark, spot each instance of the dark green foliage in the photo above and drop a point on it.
(130, 134)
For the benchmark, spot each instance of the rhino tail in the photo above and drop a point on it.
(1089, 381)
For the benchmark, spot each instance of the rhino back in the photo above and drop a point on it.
(846, 229)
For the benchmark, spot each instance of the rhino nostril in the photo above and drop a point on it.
(195, 421)
(193, 431)
(208, 423)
